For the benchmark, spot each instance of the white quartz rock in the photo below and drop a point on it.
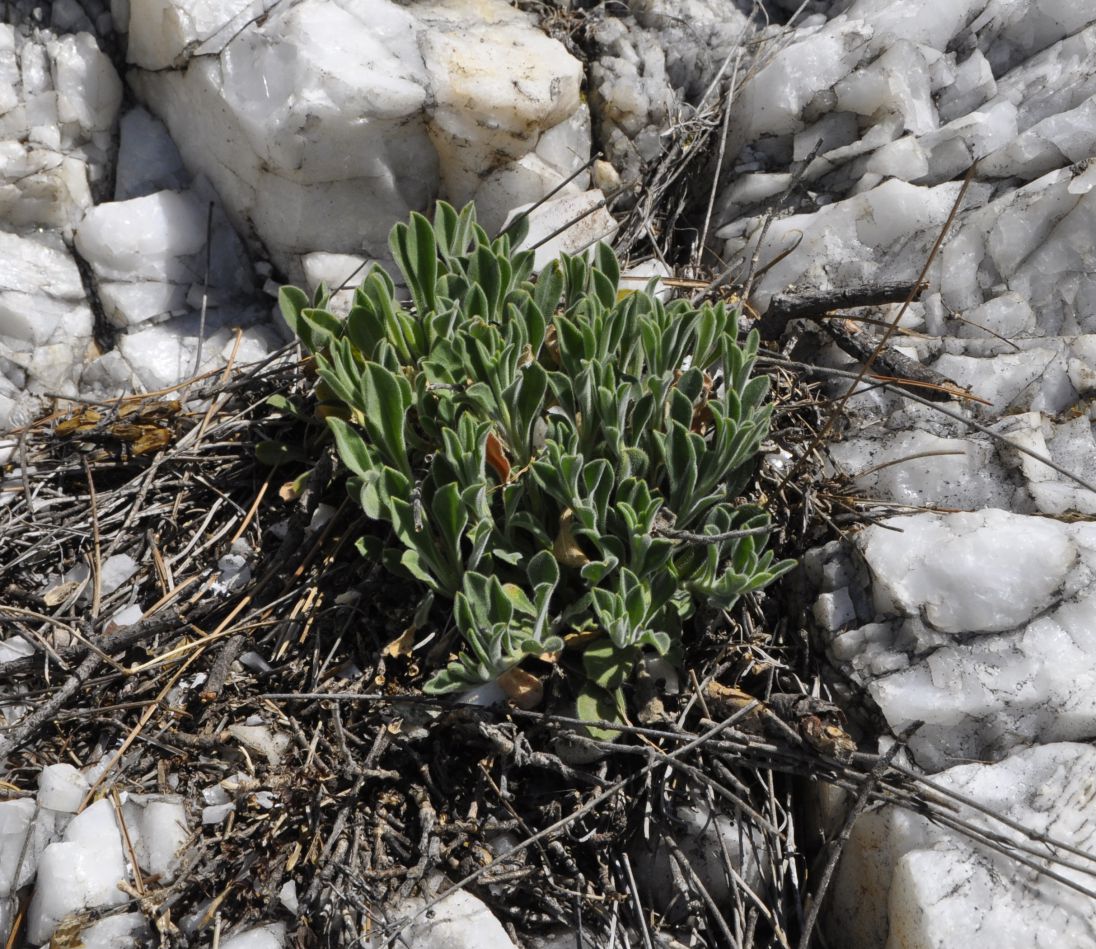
(263, 739)
(850, 242)
(88, 89)
(912, 468)
(287, 896)
(270, 936)
(39, 287)
(115, 571)
(567, 224)
(982, 631)
(59, 98)
(157, 827)
(898, 80)
(61, 788)
(518, 184)
(23, 837)
(125, 931)
(774, 100)
(322, 123)
(1069, 444)
(163, 354)
(79, 872)
(1009, 381)
(162, 33)
(1007, 315)
(485, 60)
(566, 147)
(459, 921)
(707, 840)
(45, 322)
(904, 881)
(143, 236)
(639, 276)
(341, 273)
(952, 569)
(148, 160)
(149, 255)
(631, 94)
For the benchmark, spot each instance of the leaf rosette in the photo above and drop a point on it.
(526, 439)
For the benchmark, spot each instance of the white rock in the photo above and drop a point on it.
(125, 931)
(158, 830)
(774, 100)
(148, 160)
(1013, 381)
(493, 65)
(128, 616)
(160, 32)
(23, 837)
(79, 872)
(579, 221)
(517, 184)
(270, 936)
(263, 739)
(144, 236)
(59, 102)
(954, 568)
(340, 273)
(703, 836)
(61, 788)
(287, 896)
(89, 91)
(115, 571)
(164, 354)
(981, 631)
(639, 276)
(149, 255)
(850, 242)
(905, 881)
(460, 921)
(910, 468)
(235, 570)
(217, 813)
(320, 125)
(39, 287)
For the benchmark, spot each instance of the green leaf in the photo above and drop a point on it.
(277, 453)
(323, 328)
(292, 301)
(595, 415)
(595, 704)
(369, 547)
(549, 288)
(606, 665)
(606, 262)
(450, 517)
(385, 398)
(281, 403)
(353, 451)
(543, 569)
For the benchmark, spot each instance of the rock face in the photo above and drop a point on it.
(979, 625)
(321, 123)
(908, 882)
(975, 615)
(59, 99)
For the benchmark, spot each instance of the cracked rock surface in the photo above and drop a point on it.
(909, 882)
(969, 607)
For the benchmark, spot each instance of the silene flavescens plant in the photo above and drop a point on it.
(530, 441)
